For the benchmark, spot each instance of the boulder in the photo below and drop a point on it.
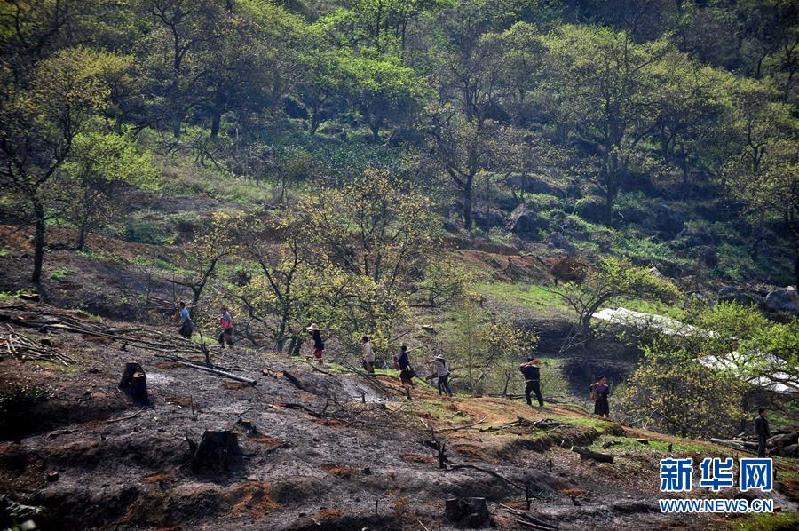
(525, 222)
(783, 300)
(591, 208)
(487, 220)
(740, 296)
(531, 184)
(557, 240)
(664, 218)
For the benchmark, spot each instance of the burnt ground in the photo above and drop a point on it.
(332, 449)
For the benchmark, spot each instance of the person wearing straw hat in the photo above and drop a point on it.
(442, 372)
(318, 344)
(532, 378)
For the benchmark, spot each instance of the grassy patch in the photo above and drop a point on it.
(543, 300)
(10, 295)
(600, 425)
(765, 522)
(60, 274)
(157, 263)
(5, 252)
(527, 295)
(441, 411)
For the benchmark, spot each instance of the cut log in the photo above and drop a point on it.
(585, 453)
(218, 452)
(468, 512)
(134, 382)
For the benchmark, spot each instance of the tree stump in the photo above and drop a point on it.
(468, 512)
(218, 452)
(134, 382)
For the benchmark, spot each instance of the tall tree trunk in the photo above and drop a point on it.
(81, 243)
(215, 119)
(467, 203)
(39, 240)
(796, 264)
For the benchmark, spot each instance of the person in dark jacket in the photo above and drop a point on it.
(599, 393)
(762, 431)
(532, 378)
(404, 363)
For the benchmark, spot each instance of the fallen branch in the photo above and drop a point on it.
(456, 428)
(585, 453)
(120, 419)
(487, 471)
(218, 372)
(528, 517)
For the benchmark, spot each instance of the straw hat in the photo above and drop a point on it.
(313, 327)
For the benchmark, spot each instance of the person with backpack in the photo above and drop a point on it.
(186, 325)
(598, 392)
(318, 344)
(532, 378)
(404, 364)
(442, 372)
(368, 355)
(226, 335)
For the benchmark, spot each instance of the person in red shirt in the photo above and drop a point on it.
(226, 322)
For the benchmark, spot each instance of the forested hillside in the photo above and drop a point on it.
(609, 186)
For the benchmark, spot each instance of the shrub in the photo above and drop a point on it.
(672, 391)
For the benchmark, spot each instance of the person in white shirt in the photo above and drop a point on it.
(368, 355)
(442, 371)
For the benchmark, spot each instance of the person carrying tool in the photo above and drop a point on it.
(532, 377)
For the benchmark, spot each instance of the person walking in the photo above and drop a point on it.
(532, 377)
(599, 392)
(404, 363)
(226, 322)
(368, 354)
(318, 344)
(186, 325)
(442, 372)
(762, 431)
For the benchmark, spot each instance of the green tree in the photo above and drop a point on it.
(381, 89)
(764, 173)
(672, 391)
(100, 164)
(40, 120)
(603, 89)
(611, 280)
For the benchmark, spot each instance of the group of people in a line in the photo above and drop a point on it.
(402, 362)
(225, 336)
(531, 369)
